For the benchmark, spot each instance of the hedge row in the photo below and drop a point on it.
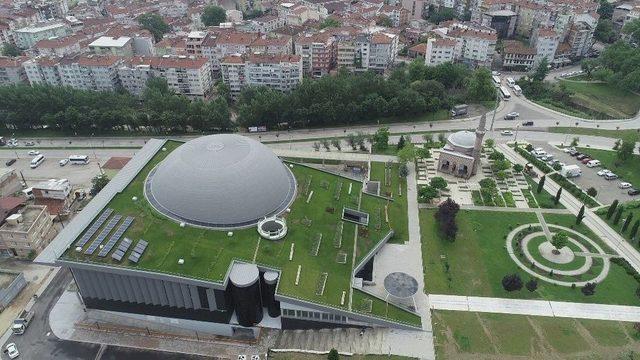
(627, 267)
(532, 159)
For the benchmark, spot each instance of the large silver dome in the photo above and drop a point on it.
(221, 181)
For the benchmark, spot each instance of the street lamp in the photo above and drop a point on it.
(495, 109)
(515, 138)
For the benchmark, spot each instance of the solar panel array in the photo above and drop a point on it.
(138, 250)
(122, 248)
(103, 234)
(116, 236)
(94, 227)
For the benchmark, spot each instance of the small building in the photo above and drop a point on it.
(460, 156)
(417, 51)
(518, 56)
(9, 182)
(27, 232)
(10, 205)
(106, 45)
(11, 283)
(54, 193)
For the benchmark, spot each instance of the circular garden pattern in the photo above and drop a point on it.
(580, 262)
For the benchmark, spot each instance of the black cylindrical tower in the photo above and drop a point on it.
(245, 279)
(269, 282)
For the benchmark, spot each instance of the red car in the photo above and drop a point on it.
(586, 160)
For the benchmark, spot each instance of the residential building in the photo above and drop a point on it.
(134, 73)
(269, 45)
(189, 76)
(11, 70)
(9, 182)
(318, 53)
(417, 51)
(106, 45)
(383, 51)
(580, 36)
(416, 8)
(267, 23)
(194, 42)
(54, 194)
(225, 43)
(517, 55)
(59, 46)
(440, 51)
(27, 232)
(278, 72)
(398, 15)
(90, 72)
(27, 37)
(546, 41)
(43, 70)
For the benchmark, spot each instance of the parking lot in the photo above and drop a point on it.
(608, 190)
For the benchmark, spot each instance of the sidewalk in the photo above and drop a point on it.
(535, 307)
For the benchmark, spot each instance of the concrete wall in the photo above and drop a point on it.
(8, 293)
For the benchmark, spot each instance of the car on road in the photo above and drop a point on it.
(573, 153)
(610, 176)
(495, 73)
(511, 116)
(63, 162)
(527, 123)
(29, 143)
(624, 185)
(506, 132)
(34, 152)
(10, 162)
(633, 192)
(12, 351)
(603, 172)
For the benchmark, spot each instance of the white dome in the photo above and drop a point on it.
(221, 181)
(463, 139)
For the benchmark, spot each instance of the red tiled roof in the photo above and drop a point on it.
(182, 63)
(116, 162)
(9, 62)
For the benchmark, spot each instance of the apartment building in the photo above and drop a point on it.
(107, 45)
(318, 53)
(189, 76)
(27, 37)
(27, 232)
(220, 45)
(440, 51)
(274, 46)
(54, 194)
(417, 8)
(517, 55)
(43, 70)
(545, 40)
(278, 72)
(90, 72)
(11, 71)
(59, 46)
(195, 39)
(580, 36)
(383, 50)
(397, 15)
(267, 23)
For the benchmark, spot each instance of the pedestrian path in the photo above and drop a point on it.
(503, 209)
(535, 307)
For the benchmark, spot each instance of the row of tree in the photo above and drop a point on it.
(73, 111)
(354, 98)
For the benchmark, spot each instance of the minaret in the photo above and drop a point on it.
(477, 148)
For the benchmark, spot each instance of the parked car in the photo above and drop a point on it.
(34, 152)
(633, 192)
(527, 123)
(511, 116)
(29, 143)
(506, 132)
(495, 73)
(12, 351)
(603, 172)
(624, 185)
(593, 163)
(610, 176)
(63, 162)
(569, 149)
(582, 157)
(573, 153)
(586, 160)
(10, 162)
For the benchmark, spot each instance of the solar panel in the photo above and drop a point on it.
(94, 227)
(134, 257)
(125, 244)
(103, 234)
(116, 236)
(118, 255)
(140, 247)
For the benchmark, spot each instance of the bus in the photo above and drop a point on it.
(505, 93)
(517, 90)
(496, 80)
(79, 159)
(36, 161)
(510, 82)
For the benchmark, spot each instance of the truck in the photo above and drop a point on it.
(459, 110)
(21, 323)
(570, 171)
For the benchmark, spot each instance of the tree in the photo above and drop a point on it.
(625, 151)
(487, 183)
(481, 85)
(532, 285)
(351, 141)
(616, 218)
(98, 183)
(444, 14)
(632, 28)
(501, 165)
(326, 144)
(559, 240)
(427, 193)
(407, 153)
(155, 24)
(541, 184)
(380, 140)
(490, 143)
(541, 71)
(213, 15)
(10, 50)
(403, 170)
(330, 23)
(333, 355)
(605, 32)
(612, 209)
(438, 183)
(496, 155)
(588, 65)
(580, 215)
(556, 166)
(441, 138)
(401, 142)
(446, 218)
(627, 222)
(605, 10)
(634, 230)
(592, 192)
(575, 141)
(589, 289)
(518, 168)
(512, 282)
(316, 146)
(383, 20)
(423, 152)
(556, 200)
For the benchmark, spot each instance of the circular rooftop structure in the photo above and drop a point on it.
(463, 139)
(400, 285)
(221, 181)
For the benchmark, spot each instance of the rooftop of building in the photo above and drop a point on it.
(6, 278)
(36, 28)
(108, 41)
(12, 62)
(518, 48)
(28, 215)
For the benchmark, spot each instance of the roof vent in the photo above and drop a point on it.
(78, 248)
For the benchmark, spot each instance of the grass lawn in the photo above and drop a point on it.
(380, 308)
(477, 261)
(396, 189)
(630, 208)
(533, 245)
(628, 171)
(543, 198)
(300, 356)
(468, 335)
(618, 134)
(313, 231)
(604, 98)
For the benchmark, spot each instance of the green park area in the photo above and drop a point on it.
(319, 245)
(470, 335)
(603, 98)
(628, 170)
(300, 356)
(393, 186)
(617, 134)
(630, 211)
(540, 199)
(477, 261)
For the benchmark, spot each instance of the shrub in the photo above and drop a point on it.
(512, 282)
(333, 355)
(589, 289)
(532, 285)
(592, 192)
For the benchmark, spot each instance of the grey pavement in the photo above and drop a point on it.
(502, 209)
(543, 223)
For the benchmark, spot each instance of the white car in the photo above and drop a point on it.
(12, 351)
(506, 132)
(63, 162)
(603, 172)
(567, 149)
(34, 152)
(624, 185)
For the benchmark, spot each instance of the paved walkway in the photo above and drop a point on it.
(543, 223)
(502, 209)
(334, 155)
(535, 307)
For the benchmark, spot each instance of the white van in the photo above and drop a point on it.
(36, 161)
(28, 192)
(593, 163)
(510, 82)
